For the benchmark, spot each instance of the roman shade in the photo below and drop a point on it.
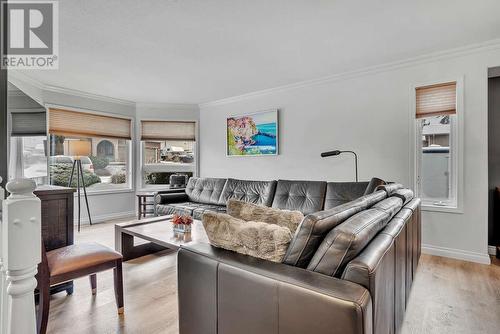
(27, 124)
(73, 123)
(168, 130)
(435, 100)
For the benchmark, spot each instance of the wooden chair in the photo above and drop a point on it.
(71, 262)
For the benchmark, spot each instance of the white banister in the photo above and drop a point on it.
(21, 253)
(3, 285)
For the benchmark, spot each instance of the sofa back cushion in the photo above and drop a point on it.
(316, 226)
(205, 190)
(257, 192)
(390, 188)
(304, 196)
(338, 193)
(348, 239)
(373, 184)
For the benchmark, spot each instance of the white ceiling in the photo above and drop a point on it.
(194, 51)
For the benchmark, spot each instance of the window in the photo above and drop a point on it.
(436, 145)
(105, 142)
(28, 140)
(168, 147)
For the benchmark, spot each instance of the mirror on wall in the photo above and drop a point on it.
(27, 133)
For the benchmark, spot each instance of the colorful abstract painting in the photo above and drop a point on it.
(253, 134)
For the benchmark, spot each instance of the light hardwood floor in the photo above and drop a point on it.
(448, 296)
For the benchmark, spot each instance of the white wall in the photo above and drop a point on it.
(370, 114)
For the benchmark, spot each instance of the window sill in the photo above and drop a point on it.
(439, 208)
(105, 192)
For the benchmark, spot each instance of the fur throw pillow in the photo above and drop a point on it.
(249, 211)
(257, 239)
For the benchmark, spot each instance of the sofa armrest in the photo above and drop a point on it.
(167, 198)
(223, 291)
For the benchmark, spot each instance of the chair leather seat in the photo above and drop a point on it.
(79, 256)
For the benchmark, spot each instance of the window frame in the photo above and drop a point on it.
(131, 150)
(456, 147)
(140, 143)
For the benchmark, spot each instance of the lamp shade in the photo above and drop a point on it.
(79, 148)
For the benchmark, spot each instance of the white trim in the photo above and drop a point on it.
(105, 217)
(492, 250)
(451, 53)
(437, 208)
(49, 105)
(456, 254)
(67, 91)
(91, 192)
(169, 106)
(457, 145)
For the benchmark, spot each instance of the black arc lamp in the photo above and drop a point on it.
(338, 152)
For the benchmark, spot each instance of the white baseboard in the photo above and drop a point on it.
(492, 250)
(102, 218)
(456, 254)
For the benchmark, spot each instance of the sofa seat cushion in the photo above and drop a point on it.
(252, 212)
(201, 209)
(257, 192)
(205, 190)
(316, 226)
(304, 196)
(184, 208)
(348, 239)
(193, 209)
(257, 239)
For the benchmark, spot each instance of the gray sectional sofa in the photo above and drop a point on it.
(349, 268)
(212, 194)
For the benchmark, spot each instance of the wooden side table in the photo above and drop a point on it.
(146, 202)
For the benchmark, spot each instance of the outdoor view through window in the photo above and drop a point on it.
(105, 164)
(436, 163)
(167, 157)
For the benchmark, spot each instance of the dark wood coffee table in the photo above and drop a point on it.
(160, 234)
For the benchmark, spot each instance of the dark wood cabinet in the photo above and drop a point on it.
(57, 221)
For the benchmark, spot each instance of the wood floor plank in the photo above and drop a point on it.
(448, 296)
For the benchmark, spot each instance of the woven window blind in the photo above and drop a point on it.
(436, 100)
(27, 124)
(73, 123)
(168, 130)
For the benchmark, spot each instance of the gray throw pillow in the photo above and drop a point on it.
(257, 239)
(253, 212)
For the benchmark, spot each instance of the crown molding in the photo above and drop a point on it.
(166, 105)
(16, 75)
(440, 55)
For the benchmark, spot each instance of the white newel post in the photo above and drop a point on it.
(21, 252)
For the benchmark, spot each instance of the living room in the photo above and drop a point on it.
(212, 105)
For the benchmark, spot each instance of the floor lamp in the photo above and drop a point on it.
(77, 149)
(337, 152)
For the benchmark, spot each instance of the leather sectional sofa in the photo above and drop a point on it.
(349, 268)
